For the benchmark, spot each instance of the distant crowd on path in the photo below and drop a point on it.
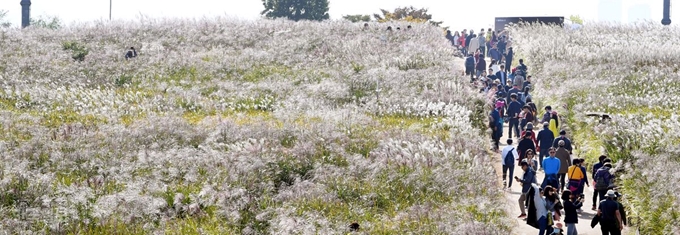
(564, 174)
(476, 47)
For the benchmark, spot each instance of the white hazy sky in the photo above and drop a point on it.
(457, 14)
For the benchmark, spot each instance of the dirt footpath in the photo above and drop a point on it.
(512, 197)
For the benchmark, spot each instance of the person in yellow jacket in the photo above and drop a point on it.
(577, 176)
(554, 124)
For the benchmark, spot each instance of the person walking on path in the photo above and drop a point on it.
(538, 209)
(551, 166)
(554, 123)
(563, 137)
(508, 59)
(514, 108)
(526, 181)
(603, 179)
(527, 118)
(576, 177)
(596, 167)
(496, 127)
(525, 144)
(622, 209)
(530, 157)
(565, 163)
(584, 181)
(544, 141)
(509, 157)
(610, 215)
(547, 115)
(571, 205)
(530, 130)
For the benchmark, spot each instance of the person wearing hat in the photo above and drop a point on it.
(565, 163)
(563, 137)
(610, 215)
(544, 141)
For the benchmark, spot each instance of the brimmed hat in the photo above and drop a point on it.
(611, 193)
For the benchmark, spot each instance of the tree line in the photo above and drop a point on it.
(317, 10)
(296, 10)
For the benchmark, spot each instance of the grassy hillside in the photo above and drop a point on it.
(628, 72)
(240, 127)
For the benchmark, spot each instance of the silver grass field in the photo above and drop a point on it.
(223, 126)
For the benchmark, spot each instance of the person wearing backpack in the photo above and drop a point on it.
(603, 179)
(596, 167)
(526, 181)
(509, 156)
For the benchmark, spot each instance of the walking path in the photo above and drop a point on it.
(512, 197)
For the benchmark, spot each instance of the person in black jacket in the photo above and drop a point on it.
(132, 53)
(622, 209)
(508, 60)
(571, 205)
(524, 145)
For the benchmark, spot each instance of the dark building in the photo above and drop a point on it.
(501, 22)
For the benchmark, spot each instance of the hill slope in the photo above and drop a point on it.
(607, 68)
(225, 127)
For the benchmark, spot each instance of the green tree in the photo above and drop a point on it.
(409, 14)
(49, 22)
(576, 19)
(357, 18)
(296, 9)
(3, 20)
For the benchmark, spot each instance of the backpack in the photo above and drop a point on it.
(602, 180)
(509, 158)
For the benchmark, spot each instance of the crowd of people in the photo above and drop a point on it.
(508, 90)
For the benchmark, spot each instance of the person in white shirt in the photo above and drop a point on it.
(541, 209)
(509, 158)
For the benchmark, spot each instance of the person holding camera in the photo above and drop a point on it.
(527, 180)
(571, 204)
